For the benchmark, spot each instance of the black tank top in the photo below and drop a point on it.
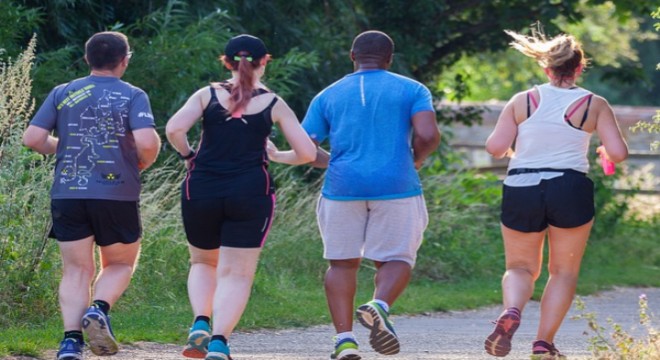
(231, 159)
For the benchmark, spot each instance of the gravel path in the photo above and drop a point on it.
(438, 336)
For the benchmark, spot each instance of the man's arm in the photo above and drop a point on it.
(322, 157)
(147, 143)
(426, 136)
(40, 140)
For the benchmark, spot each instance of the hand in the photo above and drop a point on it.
(271, 150)
(600, 150)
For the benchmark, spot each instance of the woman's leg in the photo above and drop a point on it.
(566, 248)
(235, 275)
(524, 256)
(202, 280)
(524, 253)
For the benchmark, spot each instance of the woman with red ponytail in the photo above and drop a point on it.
(228, 196)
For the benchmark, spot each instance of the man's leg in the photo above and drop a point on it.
(340, 287)
(78, 270)
(117, 265)
(391, 280)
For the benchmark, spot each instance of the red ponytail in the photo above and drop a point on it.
(241, 92)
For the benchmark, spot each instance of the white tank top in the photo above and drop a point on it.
(546, 140)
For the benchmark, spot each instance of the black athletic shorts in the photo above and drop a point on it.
(110, 221)
(566, 201)
(240, 222)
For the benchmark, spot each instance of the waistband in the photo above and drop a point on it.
(529, 171)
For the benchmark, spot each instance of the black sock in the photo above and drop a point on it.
(104, 306)
(203, 318)
(219, 337)
(74, 334)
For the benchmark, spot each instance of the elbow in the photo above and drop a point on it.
(618, 156)
(494, 151)
(308, 157)
(30, 141)
(172, 131)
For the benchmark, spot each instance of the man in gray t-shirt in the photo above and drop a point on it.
(105, 136)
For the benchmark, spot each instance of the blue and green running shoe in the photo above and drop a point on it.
(382, 337)
(198, 341)
(346, 349)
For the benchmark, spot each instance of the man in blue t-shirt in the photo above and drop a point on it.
(381, 127)
(105, 136)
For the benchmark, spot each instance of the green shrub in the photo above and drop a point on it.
(26, 256)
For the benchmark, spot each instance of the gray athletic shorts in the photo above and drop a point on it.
(379, 230)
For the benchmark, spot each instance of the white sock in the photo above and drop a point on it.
(383, 304)
(345, 335)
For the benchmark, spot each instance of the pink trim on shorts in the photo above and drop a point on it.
(270, 221)
(192, 166)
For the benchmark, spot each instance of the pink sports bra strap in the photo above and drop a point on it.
(588, 97)
(536, 104)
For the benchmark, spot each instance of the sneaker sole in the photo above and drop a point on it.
(499, 342)
(196, 347)
(101, 341)
(348, 354)
(217, 356)
(381, 339)
(70, 357)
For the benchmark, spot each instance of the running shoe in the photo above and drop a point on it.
(70, 349)
(198, 342)
(382, 337)
(96, 326)
(218, 351)
(542, 350)
(346, 349)
(499, 342)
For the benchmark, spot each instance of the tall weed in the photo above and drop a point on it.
(26, 256)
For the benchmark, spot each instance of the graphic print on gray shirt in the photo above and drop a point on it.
(96, 156)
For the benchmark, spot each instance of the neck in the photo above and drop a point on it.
(106, 73)
(565, 84)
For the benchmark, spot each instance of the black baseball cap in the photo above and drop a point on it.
(248, 43)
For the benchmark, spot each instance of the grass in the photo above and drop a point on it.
(459, 265)
(289, 279)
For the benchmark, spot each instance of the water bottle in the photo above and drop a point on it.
(607, 165)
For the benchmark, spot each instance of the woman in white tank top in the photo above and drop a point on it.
(546, 190)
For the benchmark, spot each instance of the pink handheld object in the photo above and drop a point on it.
(607, 165)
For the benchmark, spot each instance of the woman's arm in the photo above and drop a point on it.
(616, 149)
(180, 123)
(303, 149)
(500, 140)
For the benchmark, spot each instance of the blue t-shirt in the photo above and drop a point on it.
(96, 154)
(367, 117)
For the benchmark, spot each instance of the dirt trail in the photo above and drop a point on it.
(438, 336)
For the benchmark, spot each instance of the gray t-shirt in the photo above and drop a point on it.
(94, 118)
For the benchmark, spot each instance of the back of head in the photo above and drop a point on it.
(561, 54)
(243, 54)
(105, 50)
(373, 46)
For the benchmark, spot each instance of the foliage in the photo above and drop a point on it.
(26, 260)
(616, 68)
(170, 52)
(617, 343)
(17, 21)
(653, 127)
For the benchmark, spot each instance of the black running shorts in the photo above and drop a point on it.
(240, 222)
(110, 221)
(566, 201)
